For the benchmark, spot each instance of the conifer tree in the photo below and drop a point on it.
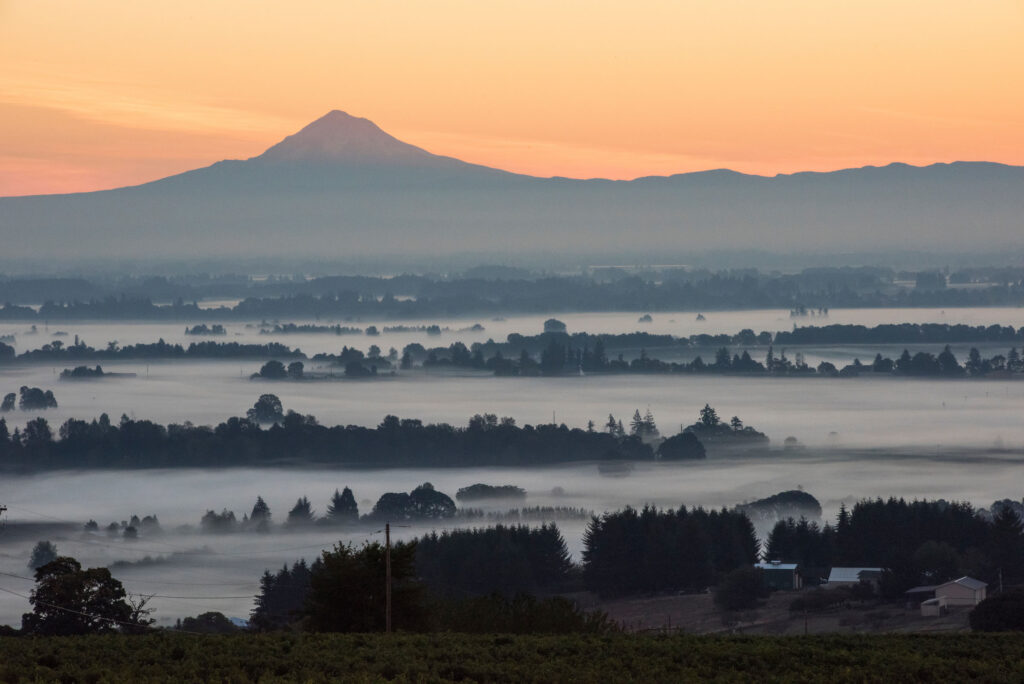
(343, 508)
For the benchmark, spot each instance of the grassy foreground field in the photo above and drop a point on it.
(498, 658)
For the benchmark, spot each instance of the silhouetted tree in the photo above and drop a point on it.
(301, 513)
(346, 591)
(267, 409)
(68, 600)
(708, 416)
(259, 519)
(210, 622)
(42, 553)
(684, 446)
(740, 589)
(343, 508)
(282, 597)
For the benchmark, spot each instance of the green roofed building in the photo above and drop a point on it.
(784, 576)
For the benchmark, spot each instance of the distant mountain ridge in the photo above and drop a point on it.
(341, 186)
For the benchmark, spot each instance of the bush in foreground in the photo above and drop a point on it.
(1000, 613)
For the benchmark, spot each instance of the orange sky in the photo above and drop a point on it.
(106, 93)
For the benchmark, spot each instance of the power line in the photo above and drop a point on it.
(201, 598)
(190, 598)
(54, 606)
(73, 611)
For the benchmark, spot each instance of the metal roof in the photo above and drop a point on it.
(922, 589)
(968, 582)
(777, 566)
(851, 575)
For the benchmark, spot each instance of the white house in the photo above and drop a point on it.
(965, 591)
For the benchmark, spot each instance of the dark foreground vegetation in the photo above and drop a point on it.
(507, 658)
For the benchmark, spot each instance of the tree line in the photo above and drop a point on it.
(419, 296)
(267, 433)
(80, 351)
(560, 359)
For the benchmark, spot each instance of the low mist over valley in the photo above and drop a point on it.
(657, 342)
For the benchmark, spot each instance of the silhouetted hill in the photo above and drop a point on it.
(342, 187)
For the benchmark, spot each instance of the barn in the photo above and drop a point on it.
(965, 591)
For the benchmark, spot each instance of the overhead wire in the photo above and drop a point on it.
(54, 606)
(190, 598)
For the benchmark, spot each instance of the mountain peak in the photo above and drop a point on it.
(339, 137)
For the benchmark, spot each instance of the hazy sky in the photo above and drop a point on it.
(105, 93)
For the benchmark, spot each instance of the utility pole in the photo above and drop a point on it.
(387, 571)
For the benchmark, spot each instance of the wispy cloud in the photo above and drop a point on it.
(919, 116)
(131, 105)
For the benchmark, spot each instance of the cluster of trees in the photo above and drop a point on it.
(82, 373)
(507, 560)
(342, 510)
(80, 351)
(486, 440)
(275, 370)
(918, 542)
(69, 600)
(482, 492)
(713, 431)
(943, 364)
(305, 328)
(463, 580)
(422, 503)
(203, 329)
(128, 529)
(793, 503)
(651, 550)
(28, 399)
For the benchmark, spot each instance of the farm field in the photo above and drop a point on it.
(167, 657)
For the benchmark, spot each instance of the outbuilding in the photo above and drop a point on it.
(965, 591)
(845, 577)
(779, 575)
(918, 595)
(934, 607)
